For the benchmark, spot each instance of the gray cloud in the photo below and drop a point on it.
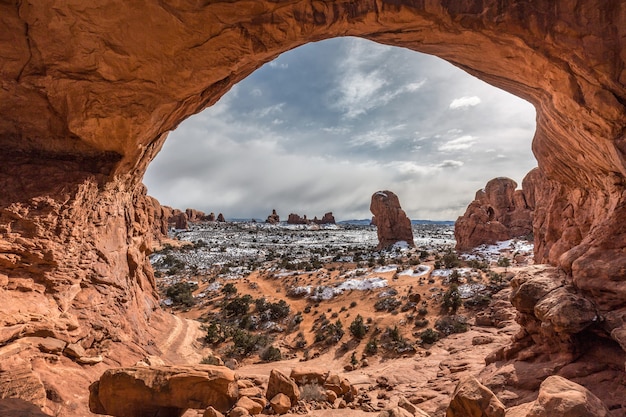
(324, 126)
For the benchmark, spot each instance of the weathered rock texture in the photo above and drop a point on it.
(89, 92)
(162, 391)
(392, 223)
(498, 212)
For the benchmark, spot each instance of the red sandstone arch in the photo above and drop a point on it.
(90, 90)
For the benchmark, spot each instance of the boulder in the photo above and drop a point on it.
(280, 403)
(281, 383)
(395, 412)
(16, 407)
(253, 407)
(212, 412)
(498, 212)
(471, 398)
(392, 223)
(238, 412)
(559, 397)
(142, 391)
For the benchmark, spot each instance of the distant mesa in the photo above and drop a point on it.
(179, 219)
(328, 218)
(273, 218)
(391, 221)
(498, 212)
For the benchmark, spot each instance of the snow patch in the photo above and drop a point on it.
(420, 271)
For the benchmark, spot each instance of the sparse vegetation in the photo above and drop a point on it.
(181, 293)
(429, 336)
(243, 310)
(357, 328)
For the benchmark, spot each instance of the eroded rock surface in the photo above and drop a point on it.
(392, 223)
(89, 93)
(498, 212)
(165, 390)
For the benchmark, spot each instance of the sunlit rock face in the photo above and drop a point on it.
(498, 212)
(90, 90)
(392, 223)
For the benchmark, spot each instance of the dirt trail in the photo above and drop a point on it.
(180, 344)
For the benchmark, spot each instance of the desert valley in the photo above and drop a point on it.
(114, 304)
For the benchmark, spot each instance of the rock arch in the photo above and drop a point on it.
(89, 93)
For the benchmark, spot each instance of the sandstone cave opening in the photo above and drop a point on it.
(323, 126)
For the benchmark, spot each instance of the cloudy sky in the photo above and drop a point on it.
(326, 125)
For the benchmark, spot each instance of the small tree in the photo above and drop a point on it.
(371, 348)
(504, 262)
(229, 290)
(429, 336)
(452, 299)
(455, 277)
(353, 360)
(357, 328)
(181, 293)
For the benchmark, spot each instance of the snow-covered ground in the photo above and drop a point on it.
(509, 248)
(237, 248)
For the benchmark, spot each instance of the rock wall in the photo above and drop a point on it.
(498, 212)
(90, 90)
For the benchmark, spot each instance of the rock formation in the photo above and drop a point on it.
(142, 391)
(210, 217)
(328, 218)
(296, 219)
(179, 220)
(220, 218)
(498, 212)
(557, 397)
(392, 223)
(273, 218)
(171, 390)
(195, 216)
(89, 94)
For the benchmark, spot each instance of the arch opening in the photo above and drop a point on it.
(323, 126)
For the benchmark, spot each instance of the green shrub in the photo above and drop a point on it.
(271, 354)
(451, 324)
(452, 299)
(429, 336)
(238, 306)
(229, 289)
(357, 328)
(371, 348)
(181, 293)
